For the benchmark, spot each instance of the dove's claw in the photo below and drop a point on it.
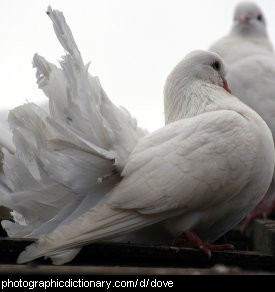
(217, 247)
(195, 241)
(205, 250)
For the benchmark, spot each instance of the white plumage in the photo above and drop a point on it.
(203, 172)
(251, 62)
(60, 156)
(189, 175)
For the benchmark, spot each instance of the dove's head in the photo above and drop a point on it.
(190, 86)
(249, 20)
(208, 67)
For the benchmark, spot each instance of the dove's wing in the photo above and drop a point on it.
(191, 165)
(188, 165)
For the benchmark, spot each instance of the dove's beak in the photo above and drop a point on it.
(244, 19)
(225, 86)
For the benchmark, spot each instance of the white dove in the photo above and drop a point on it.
(247, 36)
(200, 175)
(251, 72)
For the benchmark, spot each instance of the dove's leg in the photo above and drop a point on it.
(271, 208)
(194, 240)
(263, 210)
(258, 212)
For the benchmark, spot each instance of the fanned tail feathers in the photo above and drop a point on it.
(59, 156)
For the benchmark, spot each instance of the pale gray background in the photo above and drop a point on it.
(133, 44)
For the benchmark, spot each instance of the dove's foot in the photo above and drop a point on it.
(263, 210)
(193, 240)
(100, 180)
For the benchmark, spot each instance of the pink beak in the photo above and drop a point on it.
(244, 19)
(225, 86)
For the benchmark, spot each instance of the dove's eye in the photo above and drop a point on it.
(260, 17)
(216, 65)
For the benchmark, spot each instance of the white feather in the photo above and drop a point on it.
(60, 155)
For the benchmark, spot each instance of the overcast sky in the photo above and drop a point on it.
(133, 44)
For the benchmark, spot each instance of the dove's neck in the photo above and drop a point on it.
(189, 98)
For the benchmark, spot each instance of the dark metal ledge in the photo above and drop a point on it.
(110, 258)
